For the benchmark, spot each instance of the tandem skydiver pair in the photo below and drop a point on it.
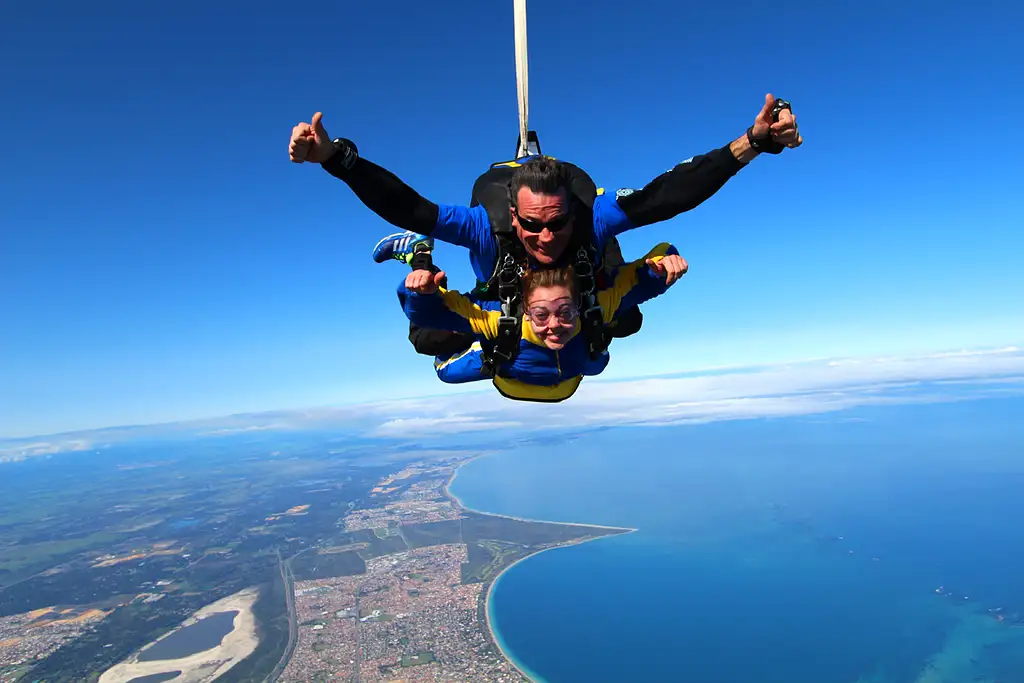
(542, 243)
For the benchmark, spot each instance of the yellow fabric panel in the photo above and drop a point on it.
(512, 388)
(625, 280)
(481, 321)
(475, 346)
(516, 164)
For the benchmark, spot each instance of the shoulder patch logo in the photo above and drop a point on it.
(624, 192)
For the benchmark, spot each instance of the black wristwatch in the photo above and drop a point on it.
(348, 151)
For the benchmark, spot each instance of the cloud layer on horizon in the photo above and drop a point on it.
(805, 388)
(775, 391)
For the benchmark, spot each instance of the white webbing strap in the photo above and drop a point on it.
(522, 74)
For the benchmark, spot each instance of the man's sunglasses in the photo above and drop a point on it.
(535, 226)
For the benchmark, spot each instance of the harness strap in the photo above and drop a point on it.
(591, 315)
(505, 348)
(522, 74)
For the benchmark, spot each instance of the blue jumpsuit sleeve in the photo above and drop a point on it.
(634, 283)
(464, 226)
(430, 310)
(594, 367)
(648, 285)
(609, 220)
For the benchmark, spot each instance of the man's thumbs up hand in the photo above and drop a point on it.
(310, 142)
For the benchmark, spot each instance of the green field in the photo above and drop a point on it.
(310, 566)
(488, 558)
(433, 533)
(418, 659)
(377, 546)
(480, 527)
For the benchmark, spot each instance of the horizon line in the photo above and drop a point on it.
(694, 372)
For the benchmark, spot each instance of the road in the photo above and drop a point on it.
(288, 583)
(359, 645)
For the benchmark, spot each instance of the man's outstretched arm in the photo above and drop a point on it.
(387, 196)
(684, 187)
(384, 193)
(692, 182)
(380, 190)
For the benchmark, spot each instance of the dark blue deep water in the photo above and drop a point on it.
(795, 550)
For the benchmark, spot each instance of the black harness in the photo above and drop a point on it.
(505, 283)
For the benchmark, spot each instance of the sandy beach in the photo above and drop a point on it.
(206, 665)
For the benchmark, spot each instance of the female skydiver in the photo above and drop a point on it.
(553, 356)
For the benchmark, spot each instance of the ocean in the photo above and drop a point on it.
(875, 545)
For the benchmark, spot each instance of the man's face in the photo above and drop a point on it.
(541, 225)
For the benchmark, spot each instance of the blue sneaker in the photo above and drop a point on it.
(401, 246)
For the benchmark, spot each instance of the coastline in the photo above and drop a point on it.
(457, 502)
(494, 635)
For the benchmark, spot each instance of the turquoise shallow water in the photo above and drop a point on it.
(798, 550)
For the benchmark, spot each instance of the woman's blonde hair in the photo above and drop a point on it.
(549, 277)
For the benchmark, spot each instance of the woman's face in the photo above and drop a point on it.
(552, 315)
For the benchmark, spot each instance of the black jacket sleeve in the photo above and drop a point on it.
(444, 343)
(384, 194)
(684, 187)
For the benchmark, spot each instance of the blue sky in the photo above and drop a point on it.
(161, 259)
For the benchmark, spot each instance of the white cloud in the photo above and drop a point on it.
(451, 424)
(822, 386)
(35, 448)
(241, 430)
(811, 387)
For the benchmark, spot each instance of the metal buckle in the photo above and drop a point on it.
(593, 316)
(507, 326)
(585, 279)
(508, 282)
(593, 320)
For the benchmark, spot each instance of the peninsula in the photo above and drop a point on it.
(411, 602)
